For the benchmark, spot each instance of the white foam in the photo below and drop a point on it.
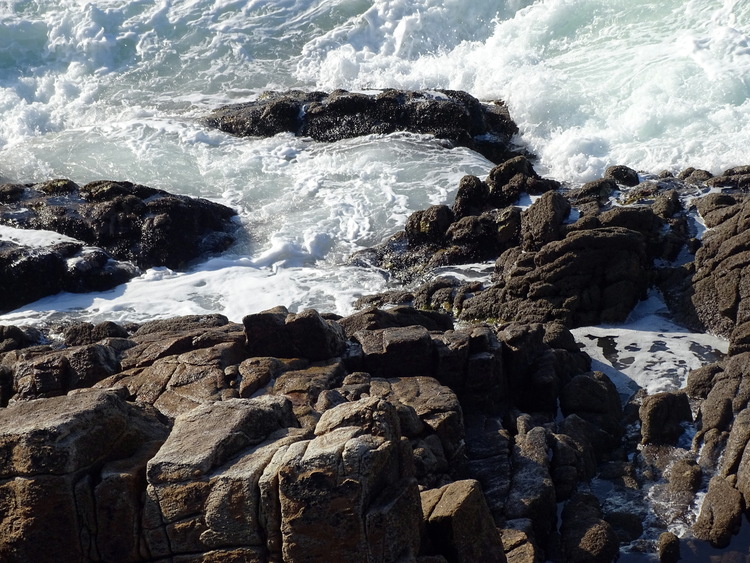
(33, 238)
(649, 351)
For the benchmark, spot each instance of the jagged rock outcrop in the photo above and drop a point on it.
(118, 228)
(258, 457)
(71, 474)
(454, 116)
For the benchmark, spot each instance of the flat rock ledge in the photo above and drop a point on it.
(111, 231)
(453, 116)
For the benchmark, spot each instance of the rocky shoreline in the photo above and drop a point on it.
(447, 421)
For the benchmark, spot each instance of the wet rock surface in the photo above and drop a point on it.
(118, 227)
(453, 116)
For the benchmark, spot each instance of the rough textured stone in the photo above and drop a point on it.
(447, 114)
(459, 525)
(661, 417)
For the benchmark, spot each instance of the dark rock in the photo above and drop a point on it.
(589, 277)
(668, 547)
(532, 492)
(280, 334)
(397, 351)
(596, 192)
(28, 274)
(594, 398)
(542, 220)
(459, 525)
(662, 416)
(428, 225)
(447, 114)
(372, 318)
(87, 333)
(129, 222)
(586, 536)
(121, 227)
(721, 513)
(472, 197)
(14, 337)
(507, 180)
(685, 476)
(622, 175)
(694, 176)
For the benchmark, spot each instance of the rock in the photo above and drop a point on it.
(429, 225)
(668, 547)
(278, 333)
(459, 525)
(594, 398)
(87, 333)
(585, 535)
(15, 337)
(532, 492)
(589, 277)
(472, 197)
(662, 416)
(118, 226)
(204, 483)
(595, 193)
(622, 175)
(447, 114)
(685, 476)
(542, 220)
(397, 352)
(74, 464)
(351, 485)
(44, 372)
(28, 274)
(128, 221)
(719, 285)
(488, 447)
(721, 513)
(373, 318)
(436, 406)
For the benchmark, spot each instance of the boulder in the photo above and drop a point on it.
(74, 464)
(428, 225)
(396, 352)
(28, 274)
(373, 318)
(281, 334)
(622, 175)
(586, 537)
(721, 513)
(589, 277)
(459, 525)
(130, 222)
(454, 116)
(352, 483)
(662, 416)
(542, 220)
